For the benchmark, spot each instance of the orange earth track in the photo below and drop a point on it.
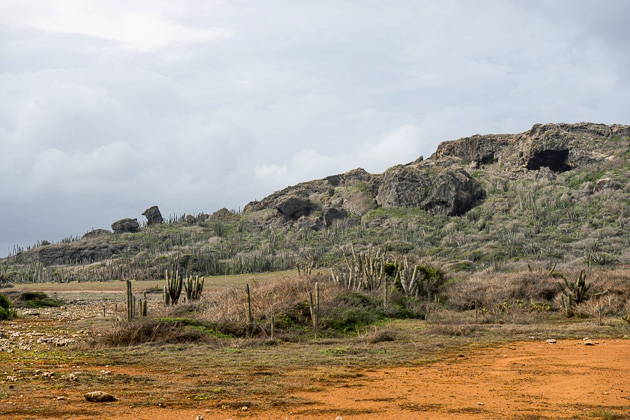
(530, 380)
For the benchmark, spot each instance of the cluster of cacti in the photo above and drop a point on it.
(306, 267)
(416, 280)
(173, 288)
(363, 271)
(193, 287)
(573, 292)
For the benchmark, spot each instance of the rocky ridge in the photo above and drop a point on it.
(440, 184)
(444, 185)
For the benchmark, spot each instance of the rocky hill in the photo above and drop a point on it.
(555, 193)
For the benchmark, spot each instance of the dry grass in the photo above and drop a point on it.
(285, 298)
(160, 331)
(489, 289)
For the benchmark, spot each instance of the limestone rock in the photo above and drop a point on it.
(403, 186)
(477, 149)
(99, 396)
(126, 225)
(453, 192)
(332, 214)
(153, 215)
(293, 208)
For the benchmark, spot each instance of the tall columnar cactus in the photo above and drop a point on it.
(129, 301)
(173, 288)
(313, 306)
(193, 287)
(573, 292)
(363, 271)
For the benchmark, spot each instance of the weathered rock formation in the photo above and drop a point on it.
(79, 252)
(559, 147)
(126, 226)
(153, 215)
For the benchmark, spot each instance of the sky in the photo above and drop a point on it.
(110, 107)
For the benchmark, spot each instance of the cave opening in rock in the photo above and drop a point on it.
(556, 160)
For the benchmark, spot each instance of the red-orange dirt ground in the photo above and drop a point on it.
(525, 380)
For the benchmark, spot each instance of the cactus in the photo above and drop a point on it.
(573, 292)
(129, 301)
(193, 287)
(362, 271)
(173, 287)
(313, 306)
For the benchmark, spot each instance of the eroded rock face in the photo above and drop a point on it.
(293, 208)
(153, 215)
(126, 226)
(71, 253)
(332, 214)
(478, 149)
(403, 186)
(555, 160)
(453, 192)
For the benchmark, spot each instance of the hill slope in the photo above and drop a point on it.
(556, 193)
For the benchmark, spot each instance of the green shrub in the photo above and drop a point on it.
(36, 300)
(351, 310)
(6, 312)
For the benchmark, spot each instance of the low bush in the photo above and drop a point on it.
(36, 300)
(160, 331)
(6, 310)
(491, 290)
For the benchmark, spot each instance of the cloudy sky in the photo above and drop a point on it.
(109, 107)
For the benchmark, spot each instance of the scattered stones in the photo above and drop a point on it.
(99, 396)
(551, 341)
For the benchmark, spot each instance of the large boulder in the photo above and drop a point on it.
(126, 225)
(332, 214)
(402, 186)
(453, 192)
(293, 208)
(153, 215)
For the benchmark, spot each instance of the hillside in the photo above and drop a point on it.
(557, 193)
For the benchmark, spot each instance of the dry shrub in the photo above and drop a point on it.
(162, 331)
(491, 289)
(285, 298)
(610, 291)
(379, 336)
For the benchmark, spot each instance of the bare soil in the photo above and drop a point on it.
(47, 365)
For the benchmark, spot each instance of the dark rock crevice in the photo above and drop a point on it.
(555, 160)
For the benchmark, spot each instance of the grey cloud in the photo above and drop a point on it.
(202, 104)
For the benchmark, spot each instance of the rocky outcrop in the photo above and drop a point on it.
(403, 186)
(126, 226)
(453, 192)
(153, 215)
(332, 214)
(559, 147)
(315, 204)
(292, 208)
(478, 149)
(71, 253)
